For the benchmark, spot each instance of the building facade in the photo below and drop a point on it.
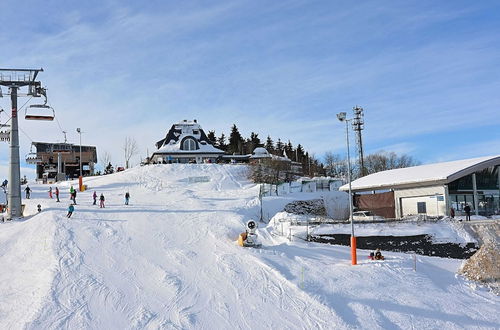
(185, 142)
(58, 161)
(433, 189)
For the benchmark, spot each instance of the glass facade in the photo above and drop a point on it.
(461, 192)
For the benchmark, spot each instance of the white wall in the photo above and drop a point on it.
(406, 200)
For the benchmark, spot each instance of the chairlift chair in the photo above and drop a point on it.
(32, 157)
(43, 112)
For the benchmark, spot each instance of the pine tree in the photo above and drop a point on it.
(252, 143)
(279, 148)
(235, 141)
(289, 150)
(211, 137)
(269, 145)
(299, 153)
(221, 142)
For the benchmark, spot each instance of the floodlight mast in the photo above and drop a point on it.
(14, 79)
(342, 116)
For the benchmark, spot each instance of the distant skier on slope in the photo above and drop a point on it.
(57, 194)
(50, 192)
(127, 197)
(101, 201)
(71, 209)
(94, 196)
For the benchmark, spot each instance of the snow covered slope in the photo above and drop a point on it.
(169, 260)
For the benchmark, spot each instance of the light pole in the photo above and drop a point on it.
(80, 178)
(343, 117)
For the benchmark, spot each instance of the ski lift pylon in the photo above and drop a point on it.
(42, 112)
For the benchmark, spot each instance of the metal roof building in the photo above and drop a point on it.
(433, 189)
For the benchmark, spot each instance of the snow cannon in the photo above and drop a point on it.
(249, 237)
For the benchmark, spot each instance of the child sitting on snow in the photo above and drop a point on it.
(377, 255)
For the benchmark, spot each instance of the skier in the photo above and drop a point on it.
(127, 197)
(95, 198)
(28, 192)
(71, 191)
(467, 212)
(73, 196)
(101, 201)
(71, 209)
(50, 192)
(57, 194)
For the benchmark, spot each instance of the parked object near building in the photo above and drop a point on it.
(432, 189)
(366, 215)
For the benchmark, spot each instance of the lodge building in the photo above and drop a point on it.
(431, 189)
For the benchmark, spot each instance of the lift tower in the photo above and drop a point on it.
(358, 125)
(15, 79)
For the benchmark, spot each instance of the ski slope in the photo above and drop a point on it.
(169, 260)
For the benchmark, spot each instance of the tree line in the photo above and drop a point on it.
(237, 144)
(335, 165)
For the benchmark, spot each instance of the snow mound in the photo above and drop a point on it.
(484, 266)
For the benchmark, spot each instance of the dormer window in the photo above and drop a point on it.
(189, 144)
(196, 132)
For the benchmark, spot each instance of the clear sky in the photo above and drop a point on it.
(426, 72)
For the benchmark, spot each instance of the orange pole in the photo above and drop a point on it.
(354, 259)
(80, 182)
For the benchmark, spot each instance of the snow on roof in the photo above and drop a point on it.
(175, 147)
(438, 173)
(260, 151)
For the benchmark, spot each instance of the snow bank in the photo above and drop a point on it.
(170, 260)
(28, 268)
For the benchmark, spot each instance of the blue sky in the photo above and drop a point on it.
(426, 72)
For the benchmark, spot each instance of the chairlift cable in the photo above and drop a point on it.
(26, 134)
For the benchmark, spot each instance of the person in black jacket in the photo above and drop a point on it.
(28, 192)
(467, 212)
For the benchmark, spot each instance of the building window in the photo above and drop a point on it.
(189, 144)
(421, 207)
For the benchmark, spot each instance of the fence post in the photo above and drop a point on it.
(290, 233)
(307, 230)
(414, 262)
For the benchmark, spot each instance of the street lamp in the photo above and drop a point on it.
(80, 178)
(342, 116)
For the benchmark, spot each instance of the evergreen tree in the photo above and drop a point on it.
(279, 148)
(299, 153)
(235, 141)
(211, 137)
(289, 150)
(252, 143)
(269, 145)
(221, 142)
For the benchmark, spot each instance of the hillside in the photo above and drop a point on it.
(169, 260)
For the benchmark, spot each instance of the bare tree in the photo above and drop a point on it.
(335, 165)
(382, 161)
(105, 159)
(130, 149)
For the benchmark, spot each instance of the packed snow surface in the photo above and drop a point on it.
(169, 260)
